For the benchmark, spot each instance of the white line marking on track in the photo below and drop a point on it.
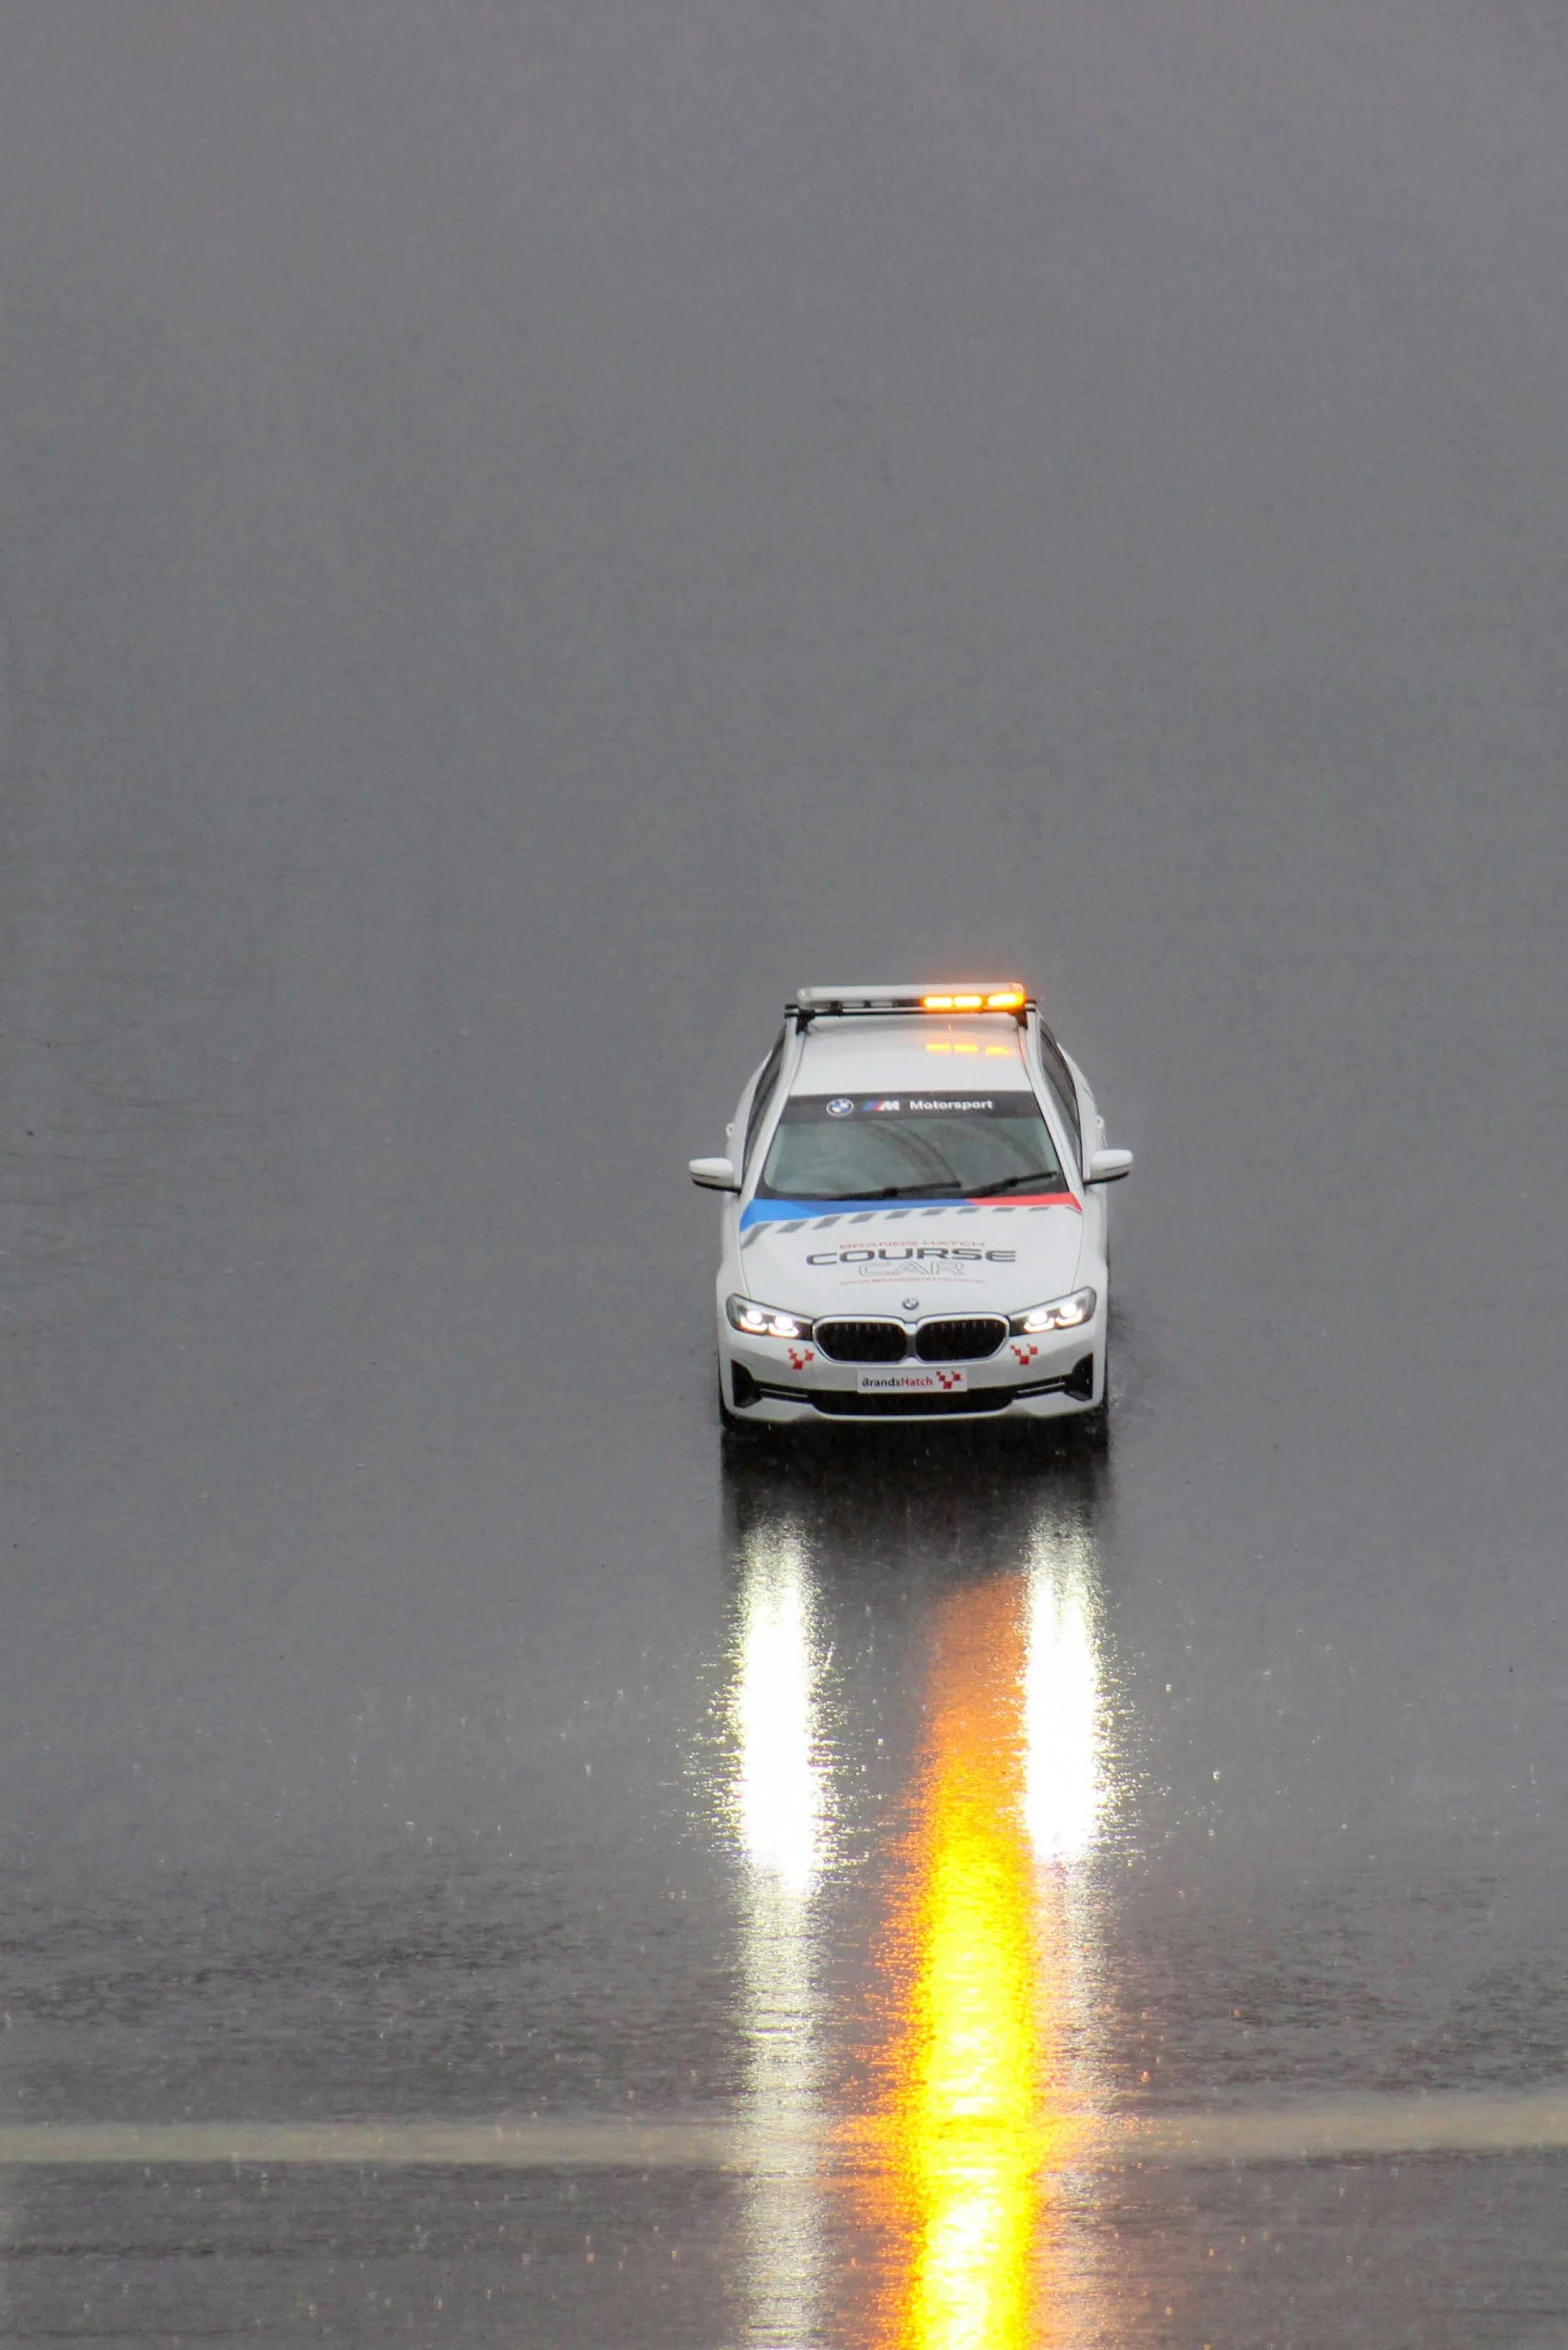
(1341, 2129)
(458, 2145)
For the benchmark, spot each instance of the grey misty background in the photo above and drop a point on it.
(527, 532)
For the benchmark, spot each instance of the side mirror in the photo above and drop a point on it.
(717, 1174)
(1108, 1166)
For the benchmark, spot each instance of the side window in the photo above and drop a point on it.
(763, 1097)
(1060, 1080)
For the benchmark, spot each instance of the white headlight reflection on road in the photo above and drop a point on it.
(780, 1810)
(1065, 1765)
(1068, 1795)
(780, 1788)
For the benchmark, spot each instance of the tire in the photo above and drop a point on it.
(734, 1426)
(729, 1421)
(1092, 1429)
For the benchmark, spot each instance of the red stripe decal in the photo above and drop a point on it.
(1031, 1199)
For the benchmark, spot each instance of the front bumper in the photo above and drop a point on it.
(770, 1381)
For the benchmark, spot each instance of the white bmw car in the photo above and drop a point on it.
(915, 1220)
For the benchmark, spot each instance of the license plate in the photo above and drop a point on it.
(912, 1382)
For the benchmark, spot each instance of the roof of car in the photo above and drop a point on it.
(966, 1054)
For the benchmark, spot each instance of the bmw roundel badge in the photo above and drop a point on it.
(840, 1106)
(910, 1304)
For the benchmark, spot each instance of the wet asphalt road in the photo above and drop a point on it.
(528, 530)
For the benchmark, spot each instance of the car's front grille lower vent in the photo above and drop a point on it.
(845, 1404)
(862, 1342)
(966, 1341)
(912, 1407)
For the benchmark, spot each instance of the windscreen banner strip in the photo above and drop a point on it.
(806, 1211)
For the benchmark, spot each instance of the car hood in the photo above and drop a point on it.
(953, 1256)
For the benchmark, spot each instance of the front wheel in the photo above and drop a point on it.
(737, 1429)
(1092, 1429)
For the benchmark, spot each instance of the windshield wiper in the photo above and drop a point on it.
(1042, 1177)
(915, 1190)
(894, 1191)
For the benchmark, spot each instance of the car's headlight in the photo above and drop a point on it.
(765, 1321)
(1060, 1313)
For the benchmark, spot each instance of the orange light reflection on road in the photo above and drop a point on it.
(972, 2111)
(973, 2053)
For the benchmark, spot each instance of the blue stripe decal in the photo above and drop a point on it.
(793, 1211)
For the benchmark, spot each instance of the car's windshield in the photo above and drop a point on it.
(910, 1146)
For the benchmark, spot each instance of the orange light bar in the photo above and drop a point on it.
(995, 999)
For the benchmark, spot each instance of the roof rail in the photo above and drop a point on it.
(818, 1003)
